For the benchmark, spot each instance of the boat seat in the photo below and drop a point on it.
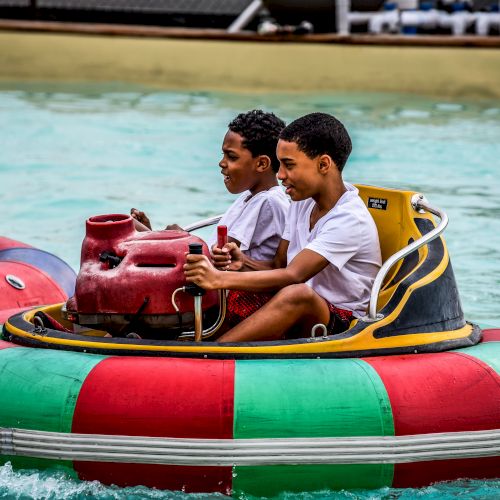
(395, 219)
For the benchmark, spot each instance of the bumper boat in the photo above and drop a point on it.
(30, 277)
(408, 395)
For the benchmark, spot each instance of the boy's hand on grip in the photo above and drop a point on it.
(228, 258)
(141, 217)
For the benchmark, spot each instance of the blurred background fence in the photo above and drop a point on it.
(457, 17)
(195, 13)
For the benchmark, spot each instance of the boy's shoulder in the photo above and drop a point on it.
(274, 197)
(352, 205)
(349, 206)
(272, 200)
(277, 194)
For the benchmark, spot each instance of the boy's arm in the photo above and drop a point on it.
(231, 258)
(139, 226)
(304, 266)
(142, 222)
(242, 262)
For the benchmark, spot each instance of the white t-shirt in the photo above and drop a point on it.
(347, 237)
(257, 222)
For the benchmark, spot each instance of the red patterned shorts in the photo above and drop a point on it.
(241, 305)
(340, 319)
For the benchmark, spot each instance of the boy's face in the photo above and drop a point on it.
(237, 164)
(298, 173)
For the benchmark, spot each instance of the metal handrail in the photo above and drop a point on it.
(418, 202)
(199, 224)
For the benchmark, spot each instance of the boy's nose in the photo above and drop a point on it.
(281, 174)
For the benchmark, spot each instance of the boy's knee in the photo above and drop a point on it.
(295, 295)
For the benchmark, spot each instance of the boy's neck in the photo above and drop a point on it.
(264, 185)
(329, 196)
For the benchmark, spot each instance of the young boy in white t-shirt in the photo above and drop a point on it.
(256, 219)
(329, 254)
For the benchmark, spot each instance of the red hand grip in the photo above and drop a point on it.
(221, 236)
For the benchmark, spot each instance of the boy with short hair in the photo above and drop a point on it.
(249, 165)
(329, 254)
(256, 219)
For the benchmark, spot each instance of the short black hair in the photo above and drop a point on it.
(260, 131)
(320, 133)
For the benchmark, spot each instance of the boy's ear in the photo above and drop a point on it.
(263, 163)
(325, 164)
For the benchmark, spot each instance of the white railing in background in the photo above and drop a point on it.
(403, 18)
(343, 9)
(245, 17)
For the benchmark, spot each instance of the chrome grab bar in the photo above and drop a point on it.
(419, 203)
(202, 223)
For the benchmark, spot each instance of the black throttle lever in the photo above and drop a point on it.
(111, 258)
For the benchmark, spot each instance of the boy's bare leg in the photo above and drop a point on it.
(294, 304)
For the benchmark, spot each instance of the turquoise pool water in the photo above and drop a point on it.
(70, 152)
(56, 485)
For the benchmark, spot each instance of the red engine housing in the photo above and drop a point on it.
(129, 276)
